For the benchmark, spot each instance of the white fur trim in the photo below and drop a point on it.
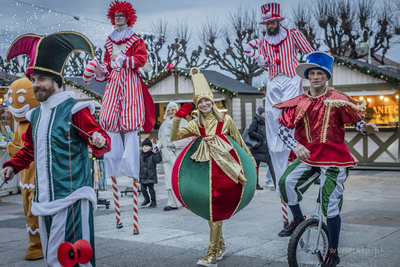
(26, 186)
(29, 230)
(28, 114)
(81, 105)
(53, 207)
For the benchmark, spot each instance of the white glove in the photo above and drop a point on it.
(120, 59)
(262, 61)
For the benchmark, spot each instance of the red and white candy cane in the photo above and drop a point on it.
(284, 211)
(90, 69)
(135, 208)
(116, 202)
(249, 49)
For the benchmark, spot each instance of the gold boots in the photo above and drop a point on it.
(216, 248)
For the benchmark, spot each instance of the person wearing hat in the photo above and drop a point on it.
(62, 194)
(148, 172)
(170, 150)
(318, 146)
(127, 104)
(277, 51)
(261, 153)
(215, 176)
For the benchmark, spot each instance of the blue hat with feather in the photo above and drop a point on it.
(316, 61)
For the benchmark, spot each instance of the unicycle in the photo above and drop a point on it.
(309, 243)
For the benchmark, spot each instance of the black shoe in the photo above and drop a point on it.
(153, 205)
(318, 181)
(332, 258)
(168, 208)
(259, 187)
(288, 231)
(145, 202)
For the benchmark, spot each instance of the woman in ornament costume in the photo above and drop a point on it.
(224, 180)
(127, 104)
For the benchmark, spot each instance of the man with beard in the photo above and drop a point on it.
(64, 198)
(277, 51)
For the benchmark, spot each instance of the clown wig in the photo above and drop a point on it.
(122, 7)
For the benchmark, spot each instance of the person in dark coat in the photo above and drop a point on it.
(260, 153)
(148, 172)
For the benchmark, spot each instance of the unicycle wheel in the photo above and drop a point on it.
(301, 251)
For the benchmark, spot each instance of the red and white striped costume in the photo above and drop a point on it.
(282, 56)
(127, 104)
(279, 52)
(123, 105)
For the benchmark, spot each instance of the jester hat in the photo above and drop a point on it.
(48, 54)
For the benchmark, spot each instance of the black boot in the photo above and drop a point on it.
(153, 205)
(332, 258)
(145, 202)
(288, 231)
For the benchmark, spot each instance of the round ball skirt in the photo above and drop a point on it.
(204, 189)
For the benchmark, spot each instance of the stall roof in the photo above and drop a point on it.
(226, 81)
(371, 66)
(94, 86)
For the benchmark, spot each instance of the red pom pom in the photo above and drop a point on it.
(276, 49)
(23, 137)
(278, 61)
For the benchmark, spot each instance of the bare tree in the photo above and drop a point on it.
(345, 23)
(242, 27)
(303, 21)
(77, 62)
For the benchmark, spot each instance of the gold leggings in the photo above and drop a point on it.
(216, 239)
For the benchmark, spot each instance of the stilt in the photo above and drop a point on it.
(135, 208)
(116, 202)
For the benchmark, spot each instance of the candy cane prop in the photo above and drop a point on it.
(250, 52)
(284, 212)
(135, 208)
(116, 202)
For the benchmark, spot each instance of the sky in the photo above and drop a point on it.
(40, 16)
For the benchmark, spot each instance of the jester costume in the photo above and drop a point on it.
(64, 198)
(220, 158)
(320, 127)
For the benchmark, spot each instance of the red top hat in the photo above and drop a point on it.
(270, 12)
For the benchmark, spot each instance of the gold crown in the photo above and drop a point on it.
(201, 89)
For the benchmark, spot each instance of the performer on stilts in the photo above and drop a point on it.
(277, 51)
(64, 197)
(22, 99)
(319, 117)
(215, 175)
(127, 104)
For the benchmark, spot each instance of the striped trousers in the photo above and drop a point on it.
(123, 107)
(299, 176)
(65, 227)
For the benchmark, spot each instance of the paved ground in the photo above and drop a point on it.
(370, 229)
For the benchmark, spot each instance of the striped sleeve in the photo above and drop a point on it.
(139, 56)
(301, 41)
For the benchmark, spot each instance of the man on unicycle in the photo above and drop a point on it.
(319, 117)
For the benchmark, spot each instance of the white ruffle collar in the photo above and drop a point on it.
(124, 35)
(276, 39)
(57, 99)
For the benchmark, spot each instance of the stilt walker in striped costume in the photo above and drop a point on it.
(64, 198)
(127, 104)
(319, 116)
(277, 51)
